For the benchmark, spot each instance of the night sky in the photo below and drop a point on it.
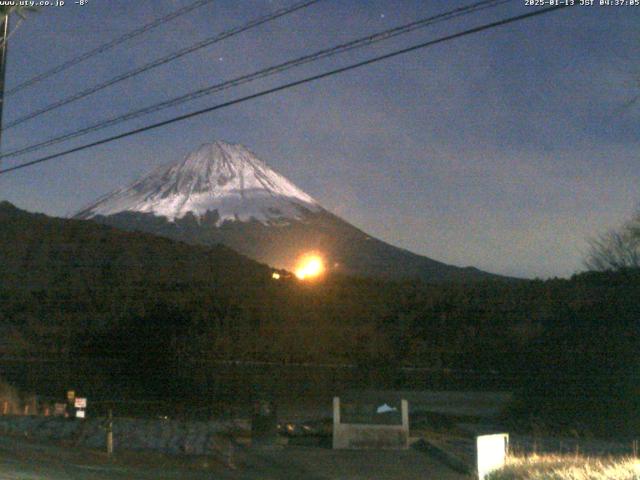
(506, 150)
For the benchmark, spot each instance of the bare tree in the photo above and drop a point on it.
(617, 249)
(635, 87)
(20, 11)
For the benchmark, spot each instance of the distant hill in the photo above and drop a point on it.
(40, 252)
(61, 280)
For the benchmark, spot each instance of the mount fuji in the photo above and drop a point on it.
(222, 193)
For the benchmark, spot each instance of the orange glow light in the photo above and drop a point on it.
(309, 266)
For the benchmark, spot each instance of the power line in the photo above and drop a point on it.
(162, 61)
(107, 46)
(325, 53)
(286, 86)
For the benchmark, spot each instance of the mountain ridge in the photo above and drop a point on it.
(222, 193)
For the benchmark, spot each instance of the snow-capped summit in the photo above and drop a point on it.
(218, 177)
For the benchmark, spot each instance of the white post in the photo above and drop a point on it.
(491, 453)
(404, 407)
(336, 421)
(110, 434)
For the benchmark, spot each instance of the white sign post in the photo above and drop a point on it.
(80, 404)
(492, 453)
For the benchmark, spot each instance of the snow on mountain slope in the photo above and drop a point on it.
(218, 177)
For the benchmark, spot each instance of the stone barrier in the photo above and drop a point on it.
(167, 436)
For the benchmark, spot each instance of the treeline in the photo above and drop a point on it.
(76, 289)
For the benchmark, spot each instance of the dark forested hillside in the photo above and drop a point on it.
(76, 288)
(68, 280)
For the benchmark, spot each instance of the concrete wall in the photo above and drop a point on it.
(167, 436)
(363, 436)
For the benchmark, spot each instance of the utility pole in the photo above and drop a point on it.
(4, 31)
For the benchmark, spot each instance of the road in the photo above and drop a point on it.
(21, 459)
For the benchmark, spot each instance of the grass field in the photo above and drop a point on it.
(568, 467)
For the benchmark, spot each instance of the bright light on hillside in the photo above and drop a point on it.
(309, 266)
